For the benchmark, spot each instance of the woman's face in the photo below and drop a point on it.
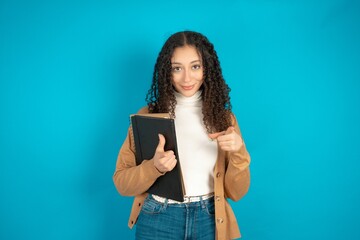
(187, 70)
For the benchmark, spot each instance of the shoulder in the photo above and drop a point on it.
(233, 118)
(143, 110)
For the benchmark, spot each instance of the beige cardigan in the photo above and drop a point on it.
(231, 180)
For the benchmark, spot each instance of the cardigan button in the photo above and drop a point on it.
(217, 198)
(218, 174)
(219, 220)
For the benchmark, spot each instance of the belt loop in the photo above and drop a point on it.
(202, 202)
(166, 203)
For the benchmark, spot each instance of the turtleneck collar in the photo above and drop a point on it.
(193, 100)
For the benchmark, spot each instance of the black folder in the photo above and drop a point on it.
(146, 128)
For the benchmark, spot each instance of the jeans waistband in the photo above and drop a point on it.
(187, 199)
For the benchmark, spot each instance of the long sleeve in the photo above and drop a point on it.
(129, 179)
(237, 176)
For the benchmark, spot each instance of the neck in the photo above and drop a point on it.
(181, 99)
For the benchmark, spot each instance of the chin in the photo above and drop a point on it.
(187, 94)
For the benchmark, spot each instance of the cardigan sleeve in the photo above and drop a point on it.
(131, 179)
(237, 176)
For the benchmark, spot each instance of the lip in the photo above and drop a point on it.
(187, 88)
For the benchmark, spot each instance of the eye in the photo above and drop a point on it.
(196, 67)
(176, 69)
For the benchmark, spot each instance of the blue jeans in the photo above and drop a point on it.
(163, 221)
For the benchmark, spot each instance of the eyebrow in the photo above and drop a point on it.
(190, 62)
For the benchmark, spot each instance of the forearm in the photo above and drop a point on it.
(135, 180)
(237, 177)
(131, 179)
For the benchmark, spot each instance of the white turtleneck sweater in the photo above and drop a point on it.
(197, 153)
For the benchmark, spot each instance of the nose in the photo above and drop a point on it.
(187, 77)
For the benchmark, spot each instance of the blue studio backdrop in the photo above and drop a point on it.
(71, 72)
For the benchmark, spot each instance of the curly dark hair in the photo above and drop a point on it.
(216, 107)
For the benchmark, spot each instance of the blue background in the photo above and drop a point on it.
(71, 72)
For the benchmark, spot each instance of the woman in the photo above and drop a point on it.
(188, 84)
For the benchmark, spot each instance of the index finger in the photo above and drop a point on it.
(214, 136)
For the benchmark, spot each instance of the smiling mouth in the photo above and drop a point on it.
(187, 87)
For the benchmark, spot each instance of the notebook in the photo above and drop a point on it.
(146, 128)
